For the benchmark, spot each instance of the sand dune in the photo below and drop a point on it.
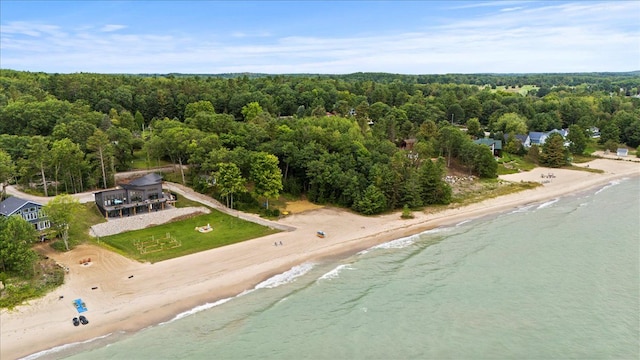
(124, 295)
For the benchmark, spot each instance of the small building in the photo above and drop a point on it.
(622, 152)
(407, 144)
(142, 195)
(31, 211)
(494, 145)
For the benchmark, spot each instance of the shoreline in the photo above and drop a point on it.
(157, 293)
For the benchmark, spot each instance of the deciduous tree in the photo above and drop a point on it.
(7, 170)
(99, 143)
(38, 157)
(61, 210)
(229, 181)
(266, 176)
(577, 139)
(16, 238)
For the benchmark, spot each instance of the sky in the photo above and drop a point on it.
(319, 37)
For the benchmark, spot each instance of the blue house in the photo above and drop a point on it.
(537, 138)
(29, 210)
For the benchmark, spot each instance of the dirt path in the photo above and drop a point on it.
(206, 200)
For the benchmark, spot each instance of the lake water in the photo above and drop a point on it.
(553, 280)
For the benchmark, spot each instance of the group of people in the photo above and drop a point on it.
(275, 243)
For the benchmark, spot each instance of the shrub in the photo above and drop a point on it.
(406, 212)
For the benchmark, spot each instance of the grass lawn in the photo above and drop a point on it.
(184, 239)
(140, 161)
(87, 216)
(511, 164)
(520, 90)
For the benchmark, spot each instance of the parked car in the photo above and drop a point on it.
(76, 322)
(83, 320)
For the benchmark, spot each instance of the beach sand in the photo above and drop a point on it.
(124, 295)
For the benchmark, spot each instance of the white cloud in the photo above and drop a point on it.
(112, 27)
(511, 9)
(556, 38)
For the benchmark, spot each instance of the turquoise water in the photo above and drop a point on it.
(546, 281)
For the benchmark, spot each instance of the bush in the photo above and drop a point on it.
(58, 245)
(406, 212)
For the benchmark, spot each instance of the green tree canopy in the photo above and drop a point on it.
(266, 176)
(577, 138)
(7, 170)
(60, 210)
(229, 181)
(554, 153)
(16, 238)
(511, 123)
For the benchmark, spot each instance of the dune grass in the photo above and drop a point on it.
(183, 238)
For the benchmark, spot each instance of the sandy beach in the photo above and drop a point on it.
(124, 295)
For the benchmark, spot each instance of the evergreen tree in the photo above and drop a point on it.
(434, 189)
(371, 202)
(554, 153)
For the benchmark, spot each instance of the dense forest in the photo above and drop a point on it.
(368, 141)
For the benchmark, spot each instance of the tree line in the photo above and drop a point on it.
(336, 139)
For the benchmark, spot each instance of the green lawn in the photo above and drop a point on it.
(140, 161)
(184, 239)
(87, 216)
(511, 164)
(520, 90)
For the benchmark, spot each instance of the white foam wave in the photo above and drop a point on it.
(197, 309)
(522, 209)
(612, 183)
(62, 347)
(548, 203)
(462, 222)
(403, 242)
(286, 277)
(398, 243)
(333, 274)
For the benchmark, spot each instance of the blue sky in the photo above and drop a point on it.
(328, 37)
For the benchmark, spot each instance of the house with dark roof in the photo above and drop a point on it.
(142, 195)
(31, 211)
(494, 145)
(537, 138)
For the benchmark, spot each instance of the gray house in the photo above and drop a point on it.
(29, 210)
(141, 195)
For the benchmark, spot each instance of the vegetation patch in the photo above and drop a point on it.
(142, 161)
(227, 230)
(18, 289)
(87, 216)
(477, 191)
(511, 164)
